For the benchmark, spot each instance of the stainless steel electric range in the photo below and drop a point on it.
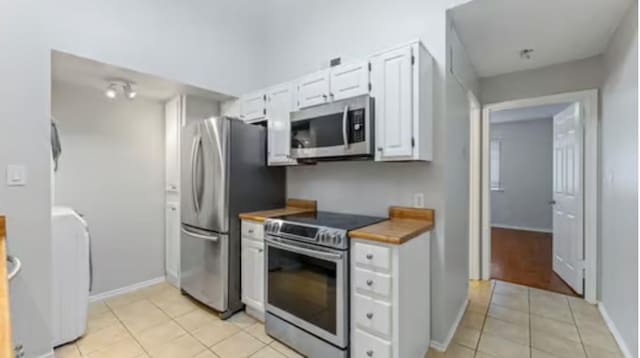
(307, 281)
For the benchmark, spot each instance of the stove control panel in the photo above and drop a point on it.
(319, 235)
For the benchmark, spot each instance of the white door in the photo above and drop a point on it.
(253, 106)
(349, 80)
(173, 121)
(568, 241)
(392, 87)
(313, 89)
(279, 107)
(172, 240)
(253, 273)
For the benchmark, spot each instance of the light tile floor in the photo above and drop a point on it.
(159, 322)
(505, 320)
(502, 320)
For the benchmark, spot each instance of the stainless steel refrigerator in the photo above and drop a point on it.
(224, 173)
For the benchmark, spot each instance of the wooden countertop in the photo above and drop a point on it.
(403, 225)
(294, 206)
(5, 319)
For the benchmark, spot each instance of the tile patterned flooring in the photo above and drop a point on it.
(502, 320)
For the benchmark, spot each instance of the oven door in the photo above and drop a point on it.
(337, 129)
(307, 285)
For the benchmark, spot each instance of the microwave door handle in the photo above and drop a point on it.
(304, 251)
(345, 115)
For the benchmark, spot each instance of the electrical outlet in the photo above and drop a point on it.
(418, 200)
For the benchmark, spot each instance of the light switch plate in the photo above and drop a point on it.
(418, 200)
(16, 175)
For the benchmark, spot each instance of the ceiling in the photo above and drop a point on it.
(527, 113)
(494, 31)
(88, 73)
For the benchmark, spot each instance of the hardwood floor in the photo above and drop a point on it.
(525, 257)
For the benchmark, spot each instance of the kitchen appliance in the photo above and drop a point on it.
(337, 130)
(307, 281)
(224, 173)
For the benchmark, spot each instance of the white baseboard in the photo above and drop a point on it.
(614, 330)
(523, 228)
(173, 279)
(127, 289)
(442, 346)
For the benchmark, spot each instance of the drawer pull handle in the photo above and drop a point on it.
(250, 231)
(370, 353)
(369, 315)
(369, 283)
(369, 256)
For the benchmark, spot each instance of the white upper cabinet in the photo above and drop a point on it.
(401, 81)
(349, 80)
(279, 106)
(253, 106)
(313, 89)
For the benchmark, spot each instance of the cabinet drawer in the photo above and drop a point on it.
(368, 346)
(373, 315)
(374, 256)
(252, 230)
(372, 282)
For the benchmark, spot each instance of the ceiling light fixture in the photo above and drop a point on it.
(525, 53)
(117, 86)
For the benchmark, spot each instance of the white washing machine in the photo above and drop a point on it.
(71, 274)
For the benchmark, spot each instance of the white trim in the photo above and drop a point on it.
(475, 117)
(127, 289)
(589, 100)
(523, 228)
(49, 354)
(442, 346)
(614, 331)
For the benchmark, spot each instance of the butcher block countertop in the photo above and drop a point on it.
(294, 206)
(5, 321)
(403, 225)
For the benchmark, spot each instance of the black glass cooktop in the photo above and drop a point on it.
(333, 220)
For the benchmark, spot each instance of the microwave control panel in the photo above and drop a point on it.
(357, 126)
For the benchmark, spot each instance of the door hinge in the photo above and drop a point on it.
(264, 111)
(413, 60)
(369, 86)
(413, 142)
(369, 66)
(264, 97)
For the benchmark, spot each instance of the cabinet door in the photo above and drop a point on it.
(279, 107)
(392, 87)
(172, 239)
(253, 106)
(313, 89)
(252, 256)
(349, 80)
(173, 121)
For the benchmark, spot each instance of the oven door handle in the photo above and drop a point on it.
(302, 250)
(345, 115)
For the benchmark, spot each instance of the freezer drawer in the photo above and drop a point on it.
(204, 266)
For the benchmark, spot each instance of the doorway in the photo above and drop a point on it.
(538, 192)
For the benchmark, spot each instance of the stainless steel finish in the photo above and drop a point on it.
(326, 236)
(17, 266)
(353, 149)
(308, 250)
(224, 173)
(345, 114)
(300, 340)
(204, 266)
(341, 338)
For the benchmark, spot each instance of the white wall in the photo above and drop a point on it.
(564, 77)
(210, 44)
(112, 171)
(526, 167)
(619, 191)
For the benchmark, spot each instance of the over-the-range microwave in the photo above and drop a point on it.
(334, 131)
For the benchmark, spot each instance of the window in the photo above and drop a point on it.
(495, 150)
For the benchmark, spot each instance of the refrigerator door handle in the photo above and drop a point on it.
(194, 191)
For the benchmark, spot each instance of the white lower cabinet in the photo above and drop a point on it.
(252, 268)
(390, 299)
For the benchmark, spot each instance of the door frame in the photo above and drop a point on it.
(589, 101)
